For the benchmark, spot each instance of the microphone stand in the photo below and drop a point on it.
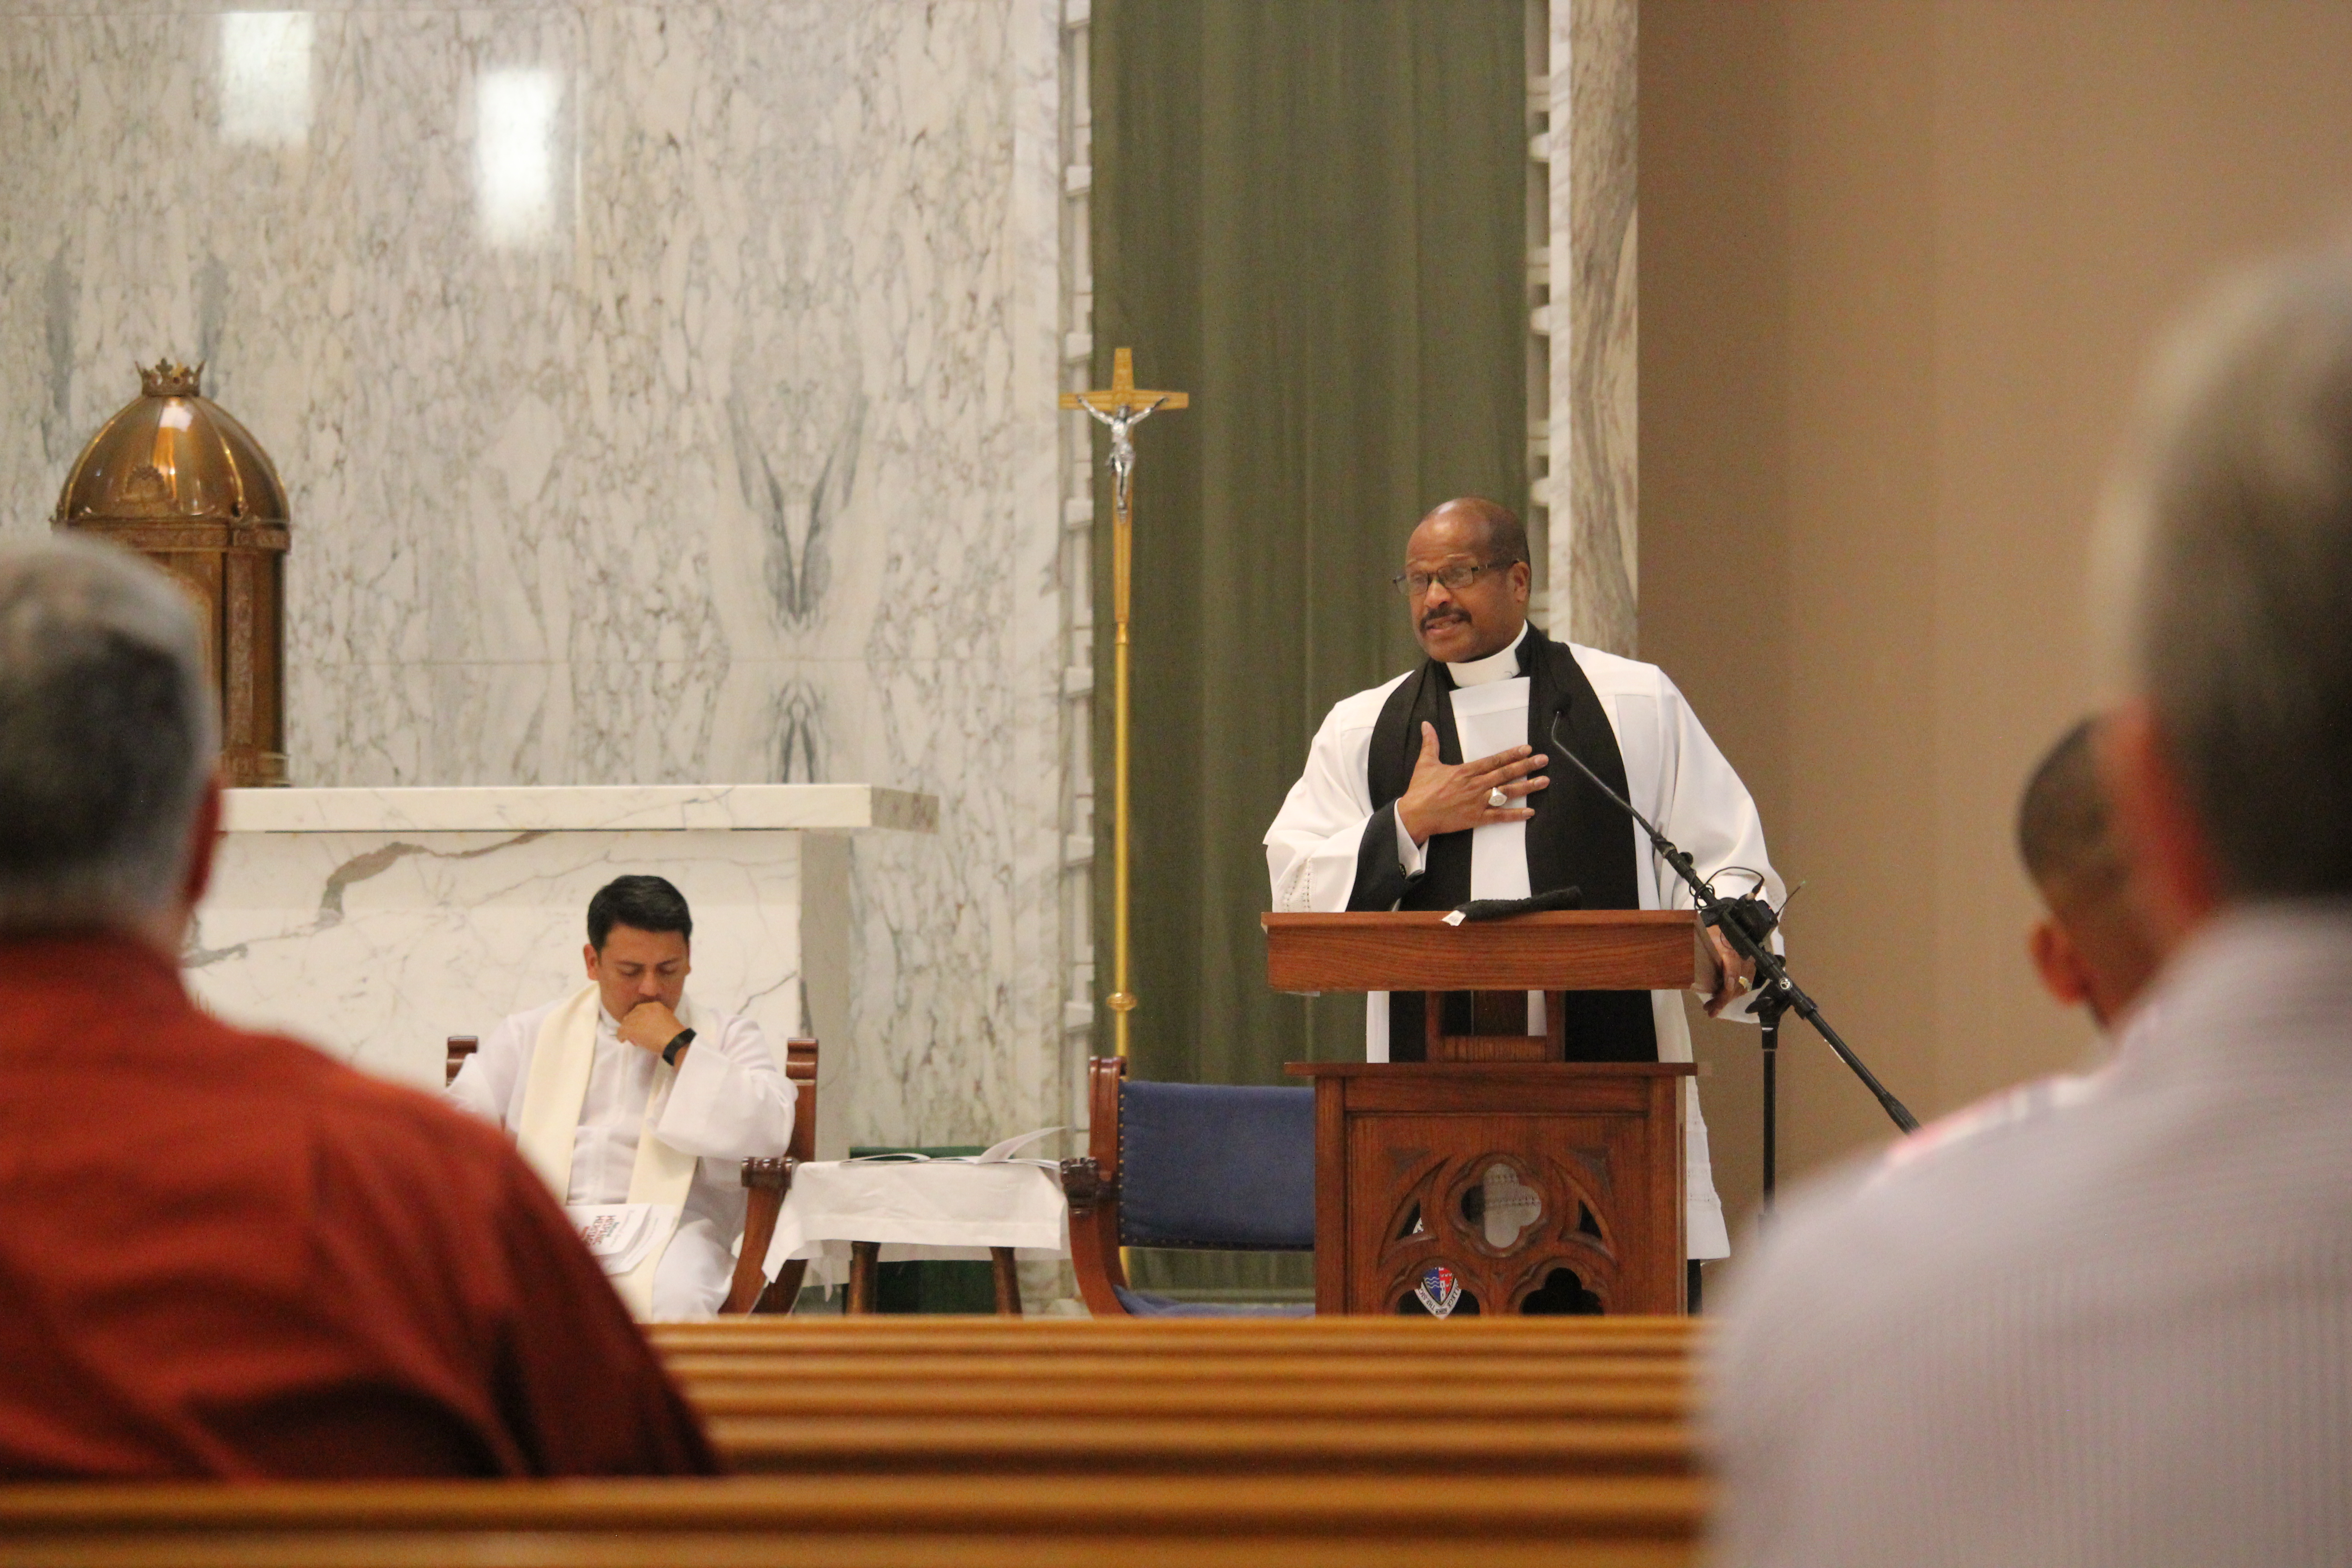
(1777, 993)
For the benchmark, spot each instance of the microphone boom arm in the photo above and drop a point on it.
(1777, 991)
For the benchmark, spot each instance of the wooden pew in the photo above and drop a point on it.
(1317, 1430)
(1082, 1365)
(1141, 1332)
(999, 1521)
(1053, 1444)
(1587, 1398)
(755, 1444)
(1354, 1400)
(1172, 1353)
(918, 1335)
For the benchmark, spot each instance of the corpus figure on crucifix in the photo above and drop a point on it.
(1121, 421)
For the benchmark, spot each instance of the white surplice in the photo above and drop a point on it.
(1675, 776)
(729, 1102)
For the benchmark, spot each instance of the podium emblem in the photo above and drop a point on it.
(1439, 1290)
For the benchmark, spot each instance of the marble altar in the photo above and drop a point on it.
(377, 922)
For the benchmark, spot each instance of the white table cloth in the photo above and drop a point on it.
(916, 1209)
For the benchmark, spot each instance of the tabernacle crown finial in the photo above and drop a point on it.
(169, 378)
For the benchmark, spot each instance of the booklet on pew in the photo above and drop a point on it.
(995, 1154)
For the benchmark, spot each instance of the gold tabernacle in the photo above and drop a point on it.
(174, 477)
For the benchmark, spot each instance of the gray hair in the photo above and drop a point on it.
(2228, 570)
(107, 736)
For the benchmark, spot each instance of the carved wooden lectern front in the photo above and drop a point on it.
(1497, 1177)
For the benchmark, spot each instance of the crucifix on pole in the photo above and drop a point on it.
(1119, 410)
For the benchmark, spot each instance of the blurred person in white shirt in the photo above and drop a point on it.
(2119, 1330)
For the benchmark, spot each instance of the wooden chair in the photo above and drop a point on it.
(1173, 1190)
(460, 1047)
(765, 1183)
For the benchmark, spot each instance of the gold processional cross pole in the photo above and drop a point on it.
(1120, 410)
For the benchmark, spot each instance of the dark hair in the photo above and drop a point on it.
(642, 903)
(1507, 536)
(2063, 831)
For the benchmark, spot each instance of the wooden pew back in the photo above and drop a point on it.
(1320, 1398)
(999, 1444)
(862, 1522)
(916, 1335)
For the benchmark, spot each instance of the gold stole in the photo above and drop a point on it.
(552, 1103)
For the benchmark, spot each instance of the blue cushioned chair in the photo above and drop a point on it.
(1204, 1166)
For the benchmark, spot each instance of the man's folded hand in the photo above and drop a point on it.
(649, 1026)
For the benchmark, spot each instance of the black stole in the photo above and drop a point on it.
(1576, 838)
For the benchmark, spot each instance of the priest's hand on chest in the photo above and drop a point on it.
(1448, 798)
(649, 1026)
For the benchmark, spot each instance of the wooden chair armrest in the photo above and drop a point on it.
(765, 1183)
(1094, 1225)
(1085, 1186)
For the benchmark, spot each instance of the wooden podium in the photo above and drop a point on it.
(1497, 1177)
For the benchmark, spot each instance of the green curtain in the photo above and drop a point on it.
(1310, 215)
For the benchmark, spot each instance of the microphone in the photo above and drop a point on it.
(1568, 898)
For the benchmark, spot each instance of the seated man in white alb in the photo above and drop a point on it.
(620, 1094)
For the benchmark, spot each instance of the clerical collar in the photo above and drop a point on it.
(1502, 665)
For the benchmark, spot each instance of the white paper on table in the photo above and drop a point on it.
(995, 1154)
(1486, 720)
(621, 1236)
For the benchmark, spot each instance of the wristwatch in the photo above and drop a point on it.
(669, 1051)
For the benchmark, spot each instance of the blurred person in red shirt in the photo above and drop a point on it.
(223, 1254)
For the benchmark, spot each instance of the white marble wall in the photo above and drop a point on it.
(665, 393)
(381, 946)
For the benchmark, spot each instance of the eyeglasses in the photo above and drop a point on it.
(1413, 584)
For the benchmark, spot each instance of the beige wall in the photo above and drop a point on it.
(1903, 262)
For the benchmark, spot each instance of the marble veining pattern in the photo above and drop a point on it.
(1594, 314)
(377, 948)
(665, 394)
(609, 807)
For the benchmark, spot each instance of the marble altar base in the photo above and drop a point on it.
(375, 923)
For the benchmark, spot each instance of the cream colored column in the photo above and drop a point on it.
(1592, 427)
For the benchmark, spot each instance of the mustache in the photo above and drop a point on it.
(1440, 618)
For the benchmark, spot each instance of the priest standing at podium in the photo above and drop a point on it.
(1390, 815)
